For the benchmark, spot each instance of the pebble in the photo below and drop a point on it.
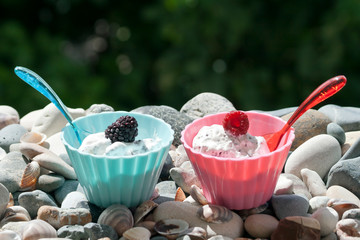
(178, 156)
(55, 163)
(97, 231)
(337, 132)
(313, 182)
(319, 154)
(351, 148)
(184, 176)
(74, 232)
(188, 212)
(347, 117)
(11, 169)
(58, 148)
(284, 186)
(310, 124)
(59, 217)
(206, 103)
(318, 202)
(299, 187)
(346, 174)
(297, 228)
(4, 199)
(327, 218)
(75, 200)
(11, 134)
(32, 201)
(339, 192)
(50, 120)
(289, 205)
(27, 121)
(99, 108)
(49, 182)
(166, 191)
(173, 117)
(260, 225)
(68, 187)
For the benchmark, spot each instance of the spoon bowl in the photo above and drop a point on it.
(40, 85)
(324, 91)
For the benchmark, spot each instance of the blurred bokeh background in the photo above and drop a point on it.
(261, 55)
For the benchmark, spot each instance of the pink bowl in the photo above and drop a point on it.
(239, 183)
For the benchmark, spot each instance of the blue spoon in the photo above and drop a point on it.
(40, 85)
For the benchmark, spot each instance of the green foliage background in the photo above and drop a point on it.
(259, 54)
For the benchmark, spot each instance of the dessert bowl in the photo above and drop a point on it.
(239, 183)
(127, 180)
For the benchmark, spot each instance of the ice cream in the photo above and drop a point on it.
(97, 144)
(118, 140)
(230, 139)
(214, 141)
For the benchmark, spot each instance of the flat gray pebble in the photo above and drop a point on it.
(74, 232)
(96, 231)
(337, 132)
(11, 134)
(32, 201)
(289, 205)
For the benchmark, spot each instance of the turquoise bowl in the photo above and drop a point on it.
(127, 180)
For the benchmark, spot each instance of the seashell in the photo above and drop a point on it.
(37, 229)
(30, 176)
(214, 213)
(171, 228)
(149, 225)
(180, 195)
(196, 233)
(137, 233)
(143, 209)
(11, 201)
(341, 206)
(9, 235)
(117, 216)
(59, 217)
(15, 214)
(33, 137)
(197, 194)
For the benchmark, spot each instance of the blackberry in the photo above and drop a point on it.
(124, 129)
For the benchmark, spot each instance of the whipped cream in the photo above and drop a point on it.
(214, 141)
(97, 144)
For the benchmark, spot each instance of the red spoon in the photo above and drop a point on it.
(324, 91)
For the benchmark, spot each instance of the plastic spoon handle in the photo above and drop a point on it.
(324, 91)
(40, 85)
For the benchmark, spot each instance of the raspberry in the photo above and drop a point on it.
(124, 129)
(236, 123)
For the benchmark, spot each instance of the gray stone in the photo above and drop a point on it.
(319, 154)
(353, 151)
(173, 117)
(289, 205)
(98, 108)
(11, 134)
(49, 182)
(166, 190)
(206, 103)
(68, 187)
(4, 199)
(32, 201)
(337, 132)
(97, 231)
(75, 232)
(11, 169)
(75, 200)
(347, 117)
(346, 174)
